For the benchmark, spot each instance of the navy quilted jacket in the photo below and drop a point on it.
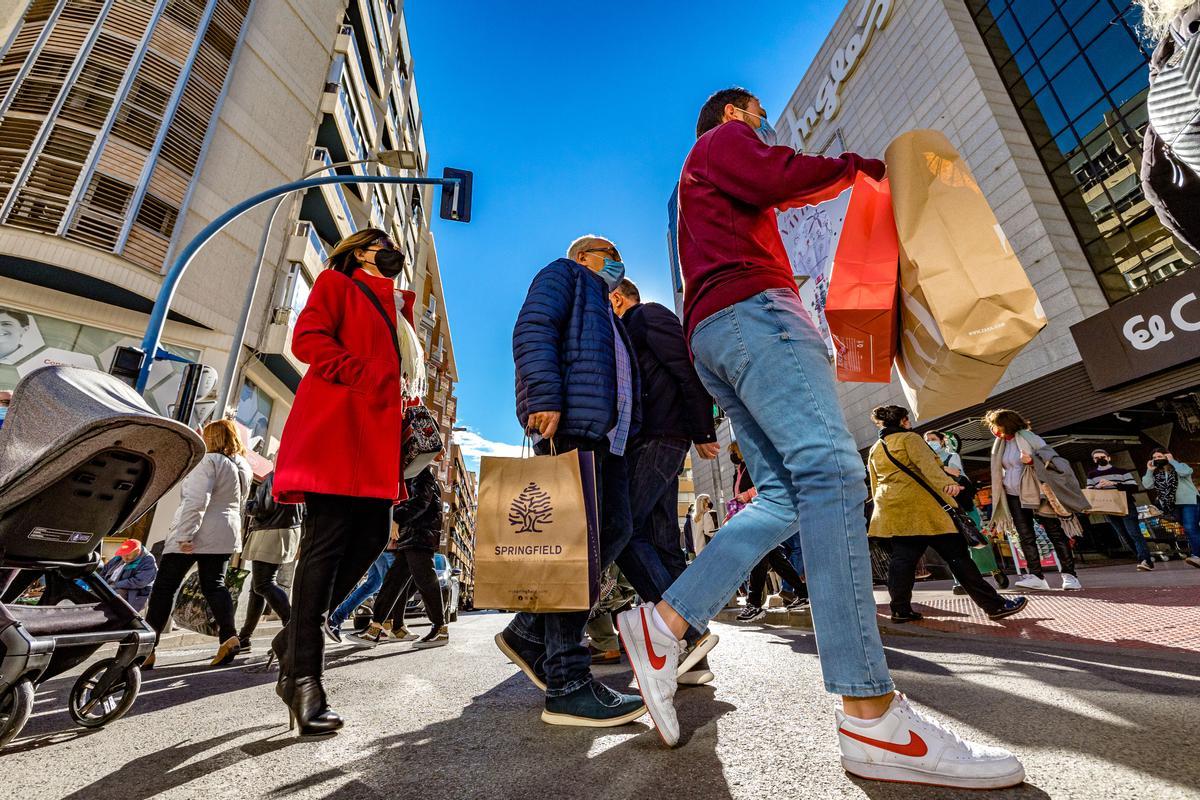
(563, 349)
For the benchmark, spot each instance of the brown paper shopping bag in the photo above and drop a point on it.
(967, 306)
(537, 533)
(1107, 501)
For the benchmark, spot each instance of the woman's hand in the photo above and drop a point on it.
(952, 490)
(187, 548)
(1026, 458)
(1105, 485)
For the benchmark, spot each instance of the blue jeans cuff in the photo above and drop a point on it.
(573, 686)
(518, 629)
(874, 689)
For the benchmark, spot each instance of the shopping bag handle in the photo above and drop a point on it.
(527, 446)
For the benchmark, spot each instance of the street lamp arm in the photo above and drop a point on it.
(229, 376)
(166, 292)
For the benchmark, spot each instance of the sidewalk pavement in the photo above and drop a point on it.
(1119, 608)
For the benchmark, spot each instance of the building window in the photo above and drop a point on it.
(254, 411)
(1077, 73)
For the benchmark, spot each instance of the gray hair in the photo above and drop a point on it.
(586, 243)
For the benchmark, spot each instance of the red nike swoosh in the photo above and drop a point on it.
(916, 746)
(656, 661)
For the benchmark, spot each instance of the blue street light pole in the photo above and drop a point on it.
(456, 206)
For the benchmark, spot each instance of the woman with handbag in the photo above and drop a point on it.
(206, 532)
(914, 511)
(272, 542)
(1018, 497)
(1177, 496)
(340, 453)
(704, 522)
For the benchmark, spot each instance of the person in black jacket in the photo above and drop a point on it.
(272, 542)
(419, 520)
(677, 412)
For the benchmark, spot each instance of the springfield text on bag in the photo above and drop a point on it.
(529, 550)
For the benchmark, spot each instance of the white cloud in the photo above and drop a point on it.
(473, 446)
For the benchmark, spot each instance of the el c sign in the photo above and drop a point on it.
(1149, 332)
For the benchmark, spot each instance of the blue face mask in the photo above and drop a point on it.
(613, 273)
(3, 414)
(764, 130)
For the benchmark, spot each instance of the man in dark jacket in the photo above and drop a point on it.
(131, 573)
(577, 389)
(759, 355)
(677, 411)
(418, 534)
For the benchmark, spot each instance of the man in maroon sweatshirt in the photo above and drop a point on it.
(761, 357)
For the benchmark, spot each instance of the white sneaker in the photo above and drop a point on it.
(1071, 583)
(905, 746)
(654, 656)
(1031, 582)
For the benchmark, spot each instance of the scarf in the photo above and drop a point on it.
(1166, 484)
(412, 359)
(1001, 514)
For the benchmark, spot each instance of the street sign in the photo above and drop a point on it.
(456, 196)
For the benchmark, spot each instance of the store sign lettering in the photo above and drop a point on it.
(874, 16)
(1155, 330)
(1146, 334)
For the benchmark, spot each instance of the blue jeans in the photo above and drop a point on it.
(368, 587)
(568, 663)
(795, 554)
(766, 365)
(1189, 518)
(1127, 528)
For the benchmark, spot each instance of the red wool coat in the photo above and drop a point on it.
(343, 434)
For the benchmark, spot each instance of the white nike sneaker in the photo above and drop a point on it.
(654, 656)
(1071, 583)
(907, 747)
(1031, 582)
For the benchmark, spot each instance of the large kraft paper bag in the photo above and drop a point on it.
(537, 533)
(967, 306)
(1107, 501)
(861, 307)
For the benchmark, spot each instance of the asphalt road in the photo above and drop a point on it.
(461, 722)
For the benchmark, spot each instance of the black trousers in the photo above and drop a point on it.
(411, 567)
(172, 569)
(952, 547)
(1023, 522)
(777, 560)
(341, 537)
(264, 591)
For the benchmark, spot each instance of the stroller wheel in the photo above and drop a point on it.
(15, 706)
(93, 707)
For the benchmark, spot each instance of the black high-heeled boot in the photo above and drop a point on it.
(305, 698)
(279, 653)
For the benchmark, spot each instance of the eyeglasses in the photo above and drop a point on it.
(611, 252)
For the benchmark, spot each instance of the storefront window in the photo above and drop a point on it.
(1077, 72)
(254, 411)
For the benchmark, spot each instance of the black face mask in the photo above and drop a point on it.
(390, 263)
(1102, 462)
(1161, 462)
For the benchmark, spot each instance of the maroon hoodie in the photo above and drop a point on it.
(729, 245)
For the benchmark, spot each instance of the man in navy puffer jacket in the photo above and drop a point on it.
(577, 387)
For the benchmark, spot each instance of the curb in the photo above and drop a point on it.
(181, 638)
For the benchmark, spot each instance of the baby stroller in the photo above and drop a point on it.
(81, 457)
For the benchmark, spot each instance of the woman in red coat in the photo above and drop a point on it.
(340, 451)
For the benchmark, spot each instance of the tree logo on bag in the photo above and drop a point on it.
(530, 509)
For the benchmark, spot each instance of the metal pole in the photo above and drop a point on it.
(233, 363)
(166, 292)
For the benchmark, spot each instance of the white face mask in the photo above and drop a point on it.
(934, 446)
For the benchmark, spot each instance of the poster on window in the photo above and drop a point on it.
(810, 236)
(32, 341)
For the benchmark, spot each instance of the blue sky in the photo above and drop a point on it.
(575, 118)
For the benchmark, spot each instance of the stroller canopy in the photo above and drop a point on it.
(61, 416)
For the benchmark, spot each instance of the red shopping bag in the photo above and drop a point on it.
(861, 308)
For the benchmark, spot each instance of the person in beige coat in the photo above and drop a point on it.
(912, 500)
